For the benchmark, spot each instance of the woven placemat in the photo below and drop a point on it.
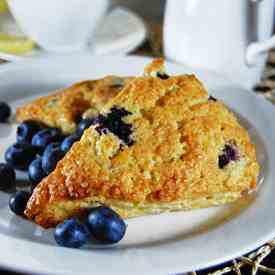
(262, 260)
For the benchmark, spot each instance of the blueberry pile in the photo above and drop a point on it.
(229, 153)
(37, 150)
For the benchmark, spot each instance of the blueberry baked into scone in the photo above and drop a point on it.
(160, 144)
(65, 108)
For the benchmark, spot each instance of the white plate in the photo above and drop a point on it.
(161, 244)
(120, 32)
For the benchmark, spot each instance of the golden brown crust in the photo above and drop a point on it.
(156, 66)
(63, 108)
(178, 136)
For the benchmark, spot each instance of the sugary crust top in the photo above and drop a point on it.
(64, 108)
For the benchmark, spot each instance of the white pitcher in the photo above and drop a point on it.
(231, 37)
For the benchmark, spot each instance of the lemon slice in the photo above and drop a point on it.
(15, 45)
(3, 6)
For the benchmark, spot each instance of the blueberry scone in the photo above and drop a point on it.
(65, 108)
(161, 144)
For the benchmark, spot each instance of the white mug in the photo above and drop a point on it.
(231, 37)
(59, 25)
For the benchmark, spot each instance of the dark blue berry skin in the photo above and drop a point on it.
(20, 155)
(50, 160)
(113, 123)
(68, 142)
(7, 176)
(35, 172)
(229, 153)
(18, 202)
(5, 111)
(71, 233)
(106, 225)
(162, 76)
(84, 124)
(46, 136)
(51, 146)
(212, 98)
(26, 130)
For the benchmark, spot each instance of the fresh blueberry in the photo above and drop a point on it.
(26, 130)
(50, 160)
(36, 173)
(68, 142)
(71, 233)
(46, 136)
(18, 202)
(106, 225)
(5, 111)
(229, 153)
(20, 155)
(7, 176)
(84, 124)
(52, 146)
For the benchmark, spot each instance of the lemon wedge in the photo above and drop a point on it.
(15, 45)
(3, 6)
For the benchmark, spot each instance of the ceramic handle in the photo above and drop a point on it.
(255, 49)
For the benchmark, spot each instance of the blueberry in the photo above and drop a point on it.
(113, 123)
(46, 136)
(223, 161)
(20, 155)
(7, 176)
(26, 130)
(162, 76)
(71, 233)
(36, 173)
(232, 152)
(5, 111)
(106, 225)
(229, 153)
(18, 202)
(84, 124)
(68, 142)
(50, 160)
(52, 146)
(212, 98)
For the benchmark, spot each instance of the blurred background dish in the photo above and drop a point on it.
(59, 27)
(109, 37)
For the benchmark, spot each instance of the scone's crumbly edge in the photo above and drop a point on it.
(179, 139)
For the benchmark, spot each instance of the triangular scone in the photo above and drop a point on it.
(64, 108)
(159, 145)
